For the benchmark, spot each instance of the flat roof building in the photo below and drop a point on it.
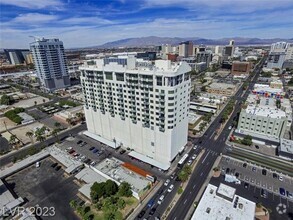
(240, 68)
(133, 103)
(221, 89)
(222, 203)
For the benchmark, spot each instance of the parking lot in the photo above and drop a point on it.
(281, 207)
(255, 175)
(46, 187)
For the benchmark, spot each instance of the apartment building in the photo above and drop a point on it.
(50, 63)
(138, 104)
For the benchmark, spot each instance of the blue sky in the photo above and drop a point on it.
(94, 22)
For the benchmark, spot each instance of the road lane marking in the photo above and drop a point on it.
(205, 157)
(185, 201)
(201, 174)
(194, 186)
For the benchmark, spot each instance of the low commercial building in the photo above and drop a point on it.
(267, 91)
(221, 89)
(26, 119)
(277, 84)
(68, 114)
(222, 203)
(262, 121)
(241, 68)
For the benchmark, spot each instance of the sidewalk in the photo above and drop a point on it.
(143, 203)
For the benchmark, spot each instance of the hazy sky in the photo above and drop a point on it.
(94, 22)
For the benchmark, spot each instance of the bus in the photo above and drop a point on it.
(182, 160)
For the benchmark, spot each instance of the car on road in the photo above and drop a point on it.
(244, 165)
(189, 162)
(151, 203)
(246, 185)
(264, 172)
(122, 151)
(264, 193)
(172, 176)
(167, 182)
(58, 168)
(141, 214)
(193, 156)
(253, 169)
(54, 165)
(38, 164)
(91, 148)
(161, 199)
(281, 178)
(282, 191)
(230, 127)
(171, 187)
(153, 210)
(194, 147)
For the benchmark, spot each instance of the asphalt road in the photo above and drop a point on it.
(51, 140)
(213, 149)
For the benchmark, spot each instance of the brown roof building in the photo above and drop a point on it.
(240, 68)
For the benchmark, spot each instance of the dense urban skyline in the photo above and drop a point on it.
(98, 22)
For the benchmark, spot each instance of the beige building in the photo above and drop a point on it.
(221, 89)
(277, 84)
(240, 68)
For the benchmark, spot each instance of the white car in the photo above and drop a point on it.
(281, 178)
(194, 147)
(38, 164)
(167, 182)
(93, 163)
(161, 199)
(189, 162)
(230, 127)
(170, 188)
(193, 156)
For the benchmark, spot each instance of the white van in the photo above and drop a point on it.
(37, 164)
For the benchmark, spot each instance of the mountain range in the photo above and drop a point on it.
(155, 41)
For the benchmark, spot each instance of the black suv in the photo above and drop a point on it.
(153, 210)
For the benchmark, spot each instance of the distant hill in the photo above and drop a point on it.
(153, 41)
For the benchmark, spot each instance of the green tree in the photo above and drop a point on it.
(121, 203)
(125, 189)
(109, 216)
(97, 191)
(30, 134)
(110, 204)
(12, 139)
(55, 133)
(6, 100)
(247, 140)
(73, 204)
(40, 138)
(57, 124)
(111, 188)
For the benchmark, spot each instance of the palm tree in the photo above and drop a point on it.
(30, 134)
(55, 134)
(80, 116)
(36, 102)
(69, 121)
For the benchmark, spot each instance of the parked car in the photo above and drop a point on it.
(194, 147)
(88, 161)
(275, 176)
(54, 165)
(289, 194)
(79, 142)
(95, 151)
(253, 169)
(193, 156)
(264, 193)
(244, 165)
(91, 148)
(282, 191)
(122, 151)
(58, 168)
(151, 203)
(281, 178)
(37, 164)
(93, 163)
(230, 127)
(141, 214)
(167, 182)
(237, 174)
(153, 210)
(264, 172)
(171, 187)
(246, 185)
(189, 162)
(161, 199)
(69, 149)
(172, 176)
(228, 170)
